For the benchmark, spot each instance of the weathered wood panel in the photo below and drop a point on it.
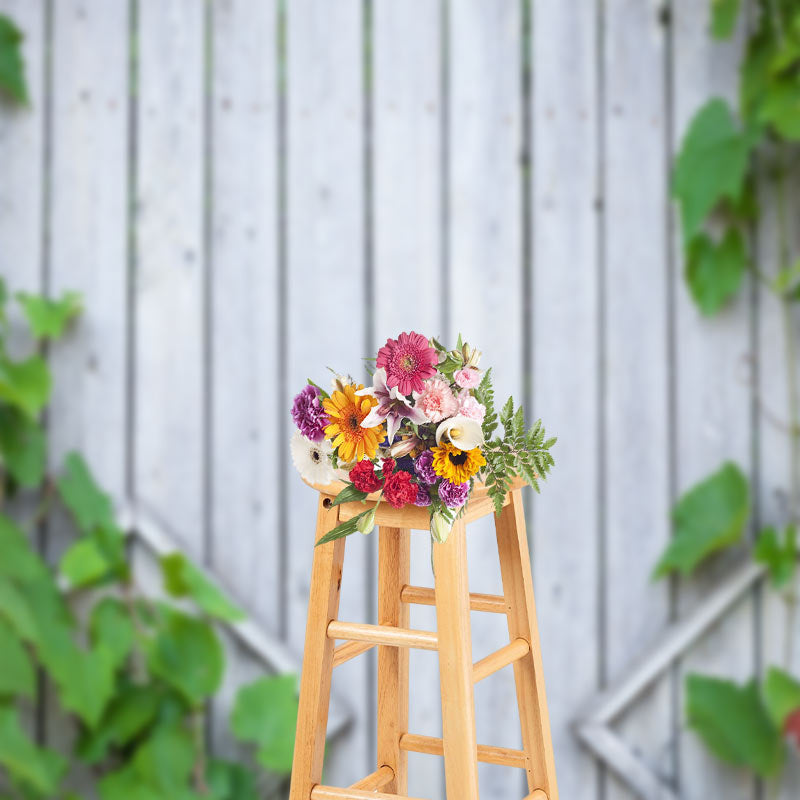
(564, 225)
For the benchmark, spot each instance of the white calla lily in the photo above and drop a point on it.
(462, 432)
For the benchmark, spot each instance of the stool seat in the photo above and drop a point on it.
(452, 641)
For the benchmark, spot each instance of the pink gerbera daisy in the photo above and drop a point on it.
(408, 361)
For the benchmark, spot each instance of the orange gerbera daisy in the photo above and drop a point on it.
(346, 411)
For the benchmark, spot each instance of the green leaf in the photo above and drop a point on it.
(343, 529)
(89, 505)
(724, 14)
(110, 625)
(48, 318)
(265, 713)
(707, 518)
(714, 272)
(778, 554)
(229, 781)
(711, 165)
(165, 761)
(348, 494)
(25, 384)
(22, 446)
(19, 560)
(16, 610)
(182, 579)
(17, 675)
(781, 695)
(12, 68)
(84, 563)
(188, 656)
(734, 724)
(781, 107)
(37, 768)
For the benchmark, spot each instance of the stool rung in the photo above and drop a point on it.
(332, 793)
(375, 781)
(536, 795)
(421, 595)
(432, 745)
(344, 652)
(383, 634)
(512, 652)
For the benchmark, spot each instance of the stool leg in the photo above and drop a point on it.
(515, 567)
(315, 682)
(393, 573)
(455, 666)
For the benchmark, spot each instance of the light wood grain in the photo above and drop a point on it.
(315, 681)
(332, 793)
(489, 754)
(455, 665)
(500, 658)
(344, 652)
(512, 545)
(382, 634)
(394, 553)
(422, 595)
(376, 781)
(537, 795)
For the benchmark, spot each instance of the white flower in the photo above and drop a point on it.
(440, 527)
(366, 524)
(312, 459)
(460, 431)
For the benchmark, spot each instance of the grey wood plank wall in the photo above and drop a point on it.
(247, 192)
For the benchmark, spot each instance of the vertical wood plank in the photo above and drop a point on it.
(88, 252)
(393, 573)
(455, 665)
(565, 209)
(407, 116)
(315, 681)
(712, 403)
(170, 269)
(635, 467)
(485, 280)
(326, 301)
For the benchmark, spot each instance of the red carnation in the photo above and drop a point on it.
(364, 478)
(399, 490)
(387, 468)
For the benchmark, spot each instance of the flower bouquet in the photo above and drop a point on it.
(421, 434)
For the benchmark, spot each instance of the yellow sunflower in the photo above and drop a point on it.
(346, 411)
(457, 466)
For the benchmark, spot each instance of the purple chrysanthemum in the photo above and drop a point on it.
(423, 498)
(453, 495)
(423, 466)
(309, 415)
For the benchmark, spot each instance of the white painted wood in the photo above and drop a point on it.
(407, 205)
(170, 265)
(712, 404)
(484, 277)
(565, 273)
(245, 305)
(88, 252)
(325, 303)
(636, 398)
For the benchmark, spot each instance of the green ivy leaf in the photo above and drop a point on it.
(707, 518)
(711, 165)
(19, 560)
(110, 625)
(17, 611)
(12, 68)
(265, 713)
(778, 554)
(25, 384)
(781, 695)
(182, 579)
(165, 761)
(229, 781)
(187, 654)
(84, 563)
(714, 272)
(34, 767)
(734, 724)
(17, 675)
(48, 318)
(89, 505)
(22, 446)
(781, 107)
(724, 14)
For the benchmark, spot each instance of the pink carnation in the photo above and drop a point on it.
(467, 378)
(437, 400)
(469, 407)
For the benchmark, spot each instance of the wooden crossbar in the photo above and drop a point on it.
(383, 634)
(512, 652)
(432, 745)
(421, 595)
(344, 652)
(375, 781)
(537, 795)
(332, 793)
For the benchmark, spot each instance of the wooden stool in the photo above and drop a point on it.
(393, 637)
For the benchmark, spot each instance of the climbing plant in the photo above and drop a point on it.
(727, 153)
